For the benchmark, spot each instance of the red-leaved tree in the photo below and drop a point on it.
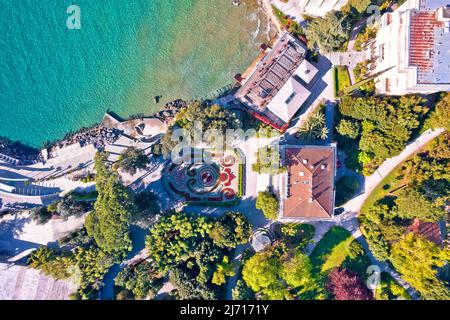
(347, 285)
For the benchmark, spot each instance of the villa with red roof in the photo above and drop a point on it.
(412, 49)
(308, 186)
(280, 84)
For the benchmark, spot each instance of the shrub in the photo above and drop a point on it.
(346, 285)
(40, 215)
(268, 203)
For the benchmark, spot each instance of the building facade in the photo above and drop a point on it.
(280, 84)
(308, 186)
(412, 49)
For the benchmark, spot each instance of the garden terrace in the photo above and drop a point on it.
(199, 183)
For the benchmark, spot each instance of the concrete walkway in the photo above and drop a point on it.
(349, 219)
(350, 222)
(386, 168)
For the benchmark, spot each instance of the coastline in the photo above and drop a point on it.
(266, 5)
(20, 153)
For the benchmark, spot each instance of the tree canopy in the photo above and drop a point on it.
(132, 160)
(381, 125)
(439, 118)
(277, 274)
(329, 33)
(417, 259)
(268, 203)
(108, 223)
(347, 285)
(140, 280)
(230, 230)
(209, 117)
(195, 251)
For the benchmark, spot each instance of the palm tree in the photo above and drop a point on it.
(314, 128)
(323, 134)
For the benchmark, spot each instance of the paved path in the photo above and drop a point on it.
(350, 222)
(386, 168)
(231, 282)
(349, 219)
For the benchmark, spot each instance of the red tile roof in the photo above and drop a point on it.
(310, 182)
(429, 230)
(422, 40)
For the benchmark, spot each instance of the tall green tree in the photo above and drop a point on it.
(231, 230)
(329, 33)
(417, 260)
(440, 116)
(413, 204)
(261, 271)
(108, 223)
(268, 203)
(132, 160)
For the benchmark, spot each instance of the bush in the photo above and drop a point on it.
(346, 285)
(268, 203)
(40, 215)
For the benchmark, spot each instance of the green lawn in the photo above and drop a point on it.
(280, 15)
(332, 250)
(338, 248)
(342, 80)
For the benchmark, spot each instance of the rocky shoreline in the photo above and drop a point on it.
(97, 134)
(18, 153)
(169, 110)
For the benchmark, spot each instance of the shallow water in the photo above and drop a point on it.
(54, 80)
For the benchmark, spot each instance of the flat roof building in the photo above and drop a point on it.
(320, 7)
(279, 85)
(308, 187)
(412, 49)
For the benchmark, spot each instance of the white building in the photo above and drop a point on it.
(320, 8)
(412, 49)
(280, 84)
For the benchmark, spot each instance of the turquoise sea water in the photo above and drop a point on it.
(54, 80)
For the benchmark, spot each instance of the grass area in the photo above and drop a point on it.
(389, 183)
(341, 80)
(331, 250)
(280, 15)
(338, 248)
